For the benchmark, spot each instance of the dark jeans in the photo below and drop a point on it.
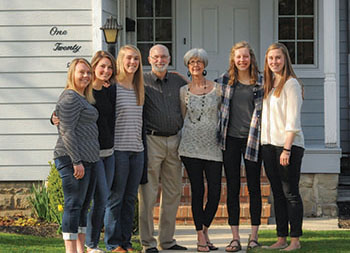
(213, 170)
(121, 203)
(235, 148)
(284, 182)
(105, 168)
(77, 196)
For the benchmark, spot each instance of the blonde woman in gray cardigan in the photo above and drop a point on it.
(199, 149)
(76, 151)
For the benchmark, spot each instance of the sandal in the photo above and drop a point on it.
(234, 248)
(211, 246)
(255, 245)
(199, 246)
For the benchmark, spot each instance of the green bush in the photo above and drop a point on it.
(39, 200)
(55, 193)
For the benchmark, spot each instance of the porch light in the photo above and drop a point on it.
(110, 31)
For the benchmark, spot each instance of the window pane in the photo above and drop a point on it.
(305, 28)
(145, 30)
(170, 48)
(163, 30)
(305, 52)
(145, 8)
(286, 28)
(144, 49)
(305, 7)
(163, 8)
(286, 7)
(291, 50)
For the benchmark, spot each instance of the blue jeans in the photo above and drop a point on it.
(104, 178)
(77, 196)
(121, 203)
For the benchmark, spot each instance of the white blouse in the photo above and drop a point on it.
(282, 114)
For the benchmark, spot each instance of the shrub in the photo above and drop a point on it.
(55, 194)
(39, 200)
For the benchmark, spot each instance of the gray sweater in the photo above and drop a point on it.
(77, 131)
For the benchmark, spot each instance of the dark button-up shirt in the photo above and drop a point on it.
(162, 102)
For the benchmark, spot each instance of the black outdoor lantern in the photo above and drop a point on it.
(110, 31)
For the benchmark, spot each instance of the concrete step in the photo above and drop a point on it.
(343, 194)
(344, 180)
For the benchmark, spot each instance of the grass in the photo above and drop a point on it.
(26, 243)
(312, 241)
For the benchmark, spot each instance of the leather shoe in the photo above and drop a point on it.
(151, 250)
(177, 247)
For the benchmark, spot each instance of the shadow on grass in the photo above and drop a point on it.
(312, 241)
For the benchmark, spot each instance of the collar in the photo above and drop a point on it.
(156, 78)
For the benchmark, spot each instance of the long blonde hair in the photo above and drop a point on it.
(287, 71)
(253, 68)
(99, 55)
(138, 76)
(71, 83)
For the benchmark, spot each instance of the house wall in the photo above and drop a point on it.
(344, 31)
(38, 40)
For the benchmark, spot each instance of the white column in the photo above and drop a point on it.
(267, 28)
(331, 66)
(96, 24)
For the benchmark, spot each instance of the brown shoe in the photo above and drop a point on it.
(119, 249)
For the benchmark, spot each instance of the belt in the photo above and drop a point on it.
(156, 133)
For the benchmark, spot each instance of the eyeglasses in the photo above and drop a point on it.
(195, 62)
(159, 57)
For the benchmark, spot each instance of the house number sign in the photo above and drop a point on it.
(61, 46)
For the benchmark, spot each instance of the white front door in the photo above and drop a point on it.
(217, 25)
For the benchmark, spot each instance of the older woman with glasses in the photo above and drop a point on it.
(199, 149)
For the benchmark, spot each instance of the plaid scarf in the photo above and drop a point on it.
(253, 142)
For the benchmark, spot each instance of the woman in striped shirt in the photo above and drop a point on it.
(129, 150)
(76, 151)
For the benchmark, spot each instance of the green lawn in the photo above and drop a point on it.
(312, 241)
(26, 243)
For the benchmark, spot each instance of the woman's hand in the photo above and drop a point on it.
(55, 120)
(284, 158)
(79, 171)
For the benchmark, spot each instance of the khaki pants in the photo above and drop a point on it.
(164, 166)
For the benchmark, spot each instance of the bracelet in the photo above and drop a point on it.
(285, 149)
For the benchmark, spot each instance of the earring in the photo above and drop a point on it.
(188, 73)
(204, 73)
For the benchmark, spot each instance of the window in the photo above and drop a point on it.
(154, 26)
(296, 29)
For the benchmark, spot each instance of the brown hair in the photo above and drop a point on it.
(71, 83)
(99, 55)
(253, 68)
(138, 76)
(287, 71)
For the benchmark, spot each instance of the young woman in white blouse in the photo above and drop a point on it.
(283, 143)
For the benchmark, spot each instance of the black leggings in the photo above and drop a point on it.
(284, 182)
(213, 171)
(235, 148)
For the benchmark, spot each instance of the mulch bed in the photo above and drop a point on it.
(28, 226)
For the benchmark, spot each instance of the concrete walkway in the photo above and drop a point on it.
(221, 235)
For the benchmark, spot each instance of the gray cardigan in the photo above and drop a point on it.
(77, 131)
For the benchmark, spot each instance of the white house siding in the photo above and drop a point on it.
(32, 75)
(344, 75)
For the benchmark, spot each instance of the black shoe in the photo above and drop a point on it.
(177, 247)
(152, 250)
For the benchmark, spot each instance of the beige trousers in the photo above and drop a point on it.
(164, 166)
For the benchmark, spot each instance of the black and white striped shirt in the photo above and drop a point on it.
(128, 123)
(77, 131)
